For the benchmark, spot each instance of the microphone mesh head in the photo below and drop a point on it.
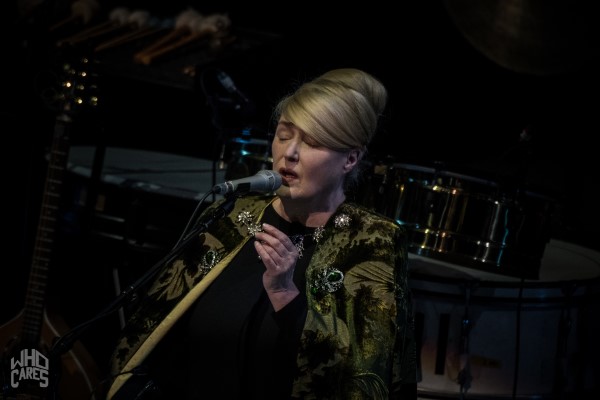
(273, 178)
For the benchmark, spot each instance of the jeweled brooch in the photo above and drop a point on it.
(329, 279)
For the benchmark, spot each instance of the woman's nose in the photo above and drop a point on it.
(291, 150)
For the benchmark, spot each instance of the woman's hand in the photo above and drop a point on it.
(279, 255)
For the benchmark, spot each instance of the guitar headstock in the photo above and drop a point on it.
(79, 88)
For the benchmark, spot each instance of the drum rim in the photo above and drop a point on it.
(448, 173)
(486, 181)
(508, 281)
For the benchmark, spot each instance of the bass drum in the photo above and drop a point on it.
(465, 219)
(488, 336)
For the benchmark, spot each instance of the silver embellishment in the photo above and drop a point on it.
(298, 241)
(329, 279)
(342, 221)
(318, 234)
(246, 218)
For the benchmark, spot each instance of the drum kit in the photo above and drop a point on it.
(502, 308)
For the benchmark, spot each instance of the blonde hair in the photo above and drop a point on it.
(339, 110)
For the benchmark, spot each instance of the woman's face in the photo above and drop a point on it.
(308, 171)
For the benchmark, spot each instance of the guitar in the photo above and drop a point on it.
(25, 340)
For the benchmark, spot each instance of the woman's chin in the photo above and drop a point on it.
(283, 191)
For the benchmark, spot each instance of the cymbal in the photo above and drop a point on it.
(529, 36)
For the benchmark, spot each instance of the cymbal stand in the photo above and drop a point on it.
(564, 329)
(464, 375)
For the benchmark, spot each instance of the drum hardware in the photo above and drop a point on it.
(246, 156)
(231, 108)
(374, 186)
(564, 330)
(464, 375)
(442, 343)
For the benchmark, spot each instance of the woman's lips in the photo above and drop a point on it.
(287, 175)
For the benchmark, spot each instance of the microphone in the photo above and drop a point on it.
(265, 181)
(228, 84)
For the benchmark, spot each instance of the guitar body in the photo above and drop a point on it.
(79, 374)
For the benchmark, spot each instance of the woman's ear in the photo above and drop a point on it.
(352, 159)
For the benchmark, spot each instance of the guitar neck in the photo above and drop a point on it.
(43, 245)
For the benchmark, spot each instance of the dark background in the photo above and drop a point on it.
(450, 105)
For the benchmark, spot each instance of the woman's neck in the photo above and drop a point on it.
(310, 215)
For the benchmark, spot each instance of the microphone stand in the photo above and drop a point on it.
(65, 343)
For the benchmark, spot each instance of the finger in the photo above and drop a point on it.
(273, 253)
(263, 255)
(276, 239)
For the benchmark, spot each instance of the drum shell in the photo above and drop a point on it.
(468, 220)
(122, 211)
(141, 200)
(537, 338)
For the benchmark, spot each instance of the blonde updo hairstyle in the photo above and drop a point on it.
(339, 110)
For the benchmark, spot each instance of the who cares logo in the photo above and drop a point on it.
(29, 365)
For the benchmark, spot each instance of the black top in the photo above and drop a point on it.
(232, 342)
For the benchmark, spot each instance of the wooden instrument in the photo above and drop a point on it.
(26, 370)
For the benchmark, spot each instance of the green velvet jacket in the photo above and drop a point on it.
(358, 337)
